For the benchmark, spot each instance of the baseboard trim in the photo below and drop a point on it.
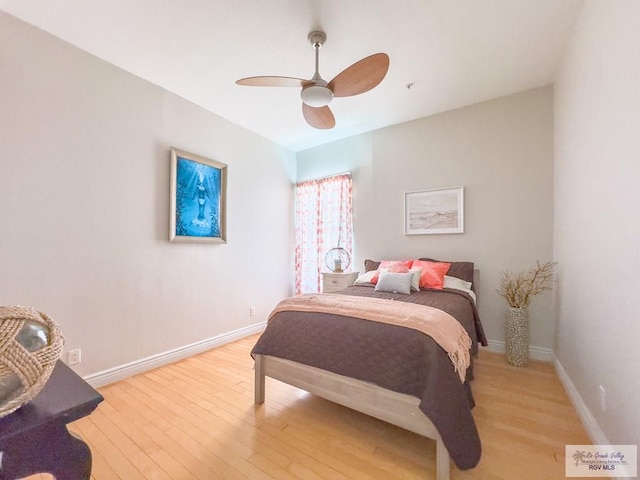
(121, 372)
(535, 353)
(589, 422)
(594, 431)
(596, 434)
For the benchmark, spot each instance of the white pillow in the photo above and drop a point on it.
(365, 278)
(394, 282)
(459, 284)
(415, 281)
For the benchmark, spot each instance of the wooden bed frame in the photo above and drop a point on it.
(392, 407)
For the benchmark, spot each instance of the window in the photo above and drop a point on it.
(323, 221)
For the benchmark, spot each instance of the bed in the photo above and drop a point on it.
(382, 368)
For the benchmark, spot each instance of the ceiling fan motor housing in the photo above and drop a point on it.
(317, 94)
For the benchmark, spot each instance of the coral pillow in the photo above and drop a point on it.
(396, 266)
(393, 266)
(432, 273)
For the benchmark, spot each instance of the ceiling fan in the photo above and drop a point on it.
(317, 93)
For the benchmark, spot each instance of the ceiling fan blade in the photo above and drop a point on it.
(320, 117)
(273, 82)
(360, 77)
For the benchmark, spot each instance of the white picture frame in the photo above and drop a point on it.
(437, 211)
(198, 199)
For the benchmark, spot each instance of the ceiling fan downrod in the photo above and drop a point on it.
(317, 94)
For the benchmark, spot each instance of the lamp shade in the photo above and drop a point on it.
(337, 259)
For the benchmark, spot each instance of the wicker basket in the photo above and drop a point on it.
(31, 368)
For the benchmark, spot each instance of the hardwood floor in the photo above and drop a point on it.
(195, 419)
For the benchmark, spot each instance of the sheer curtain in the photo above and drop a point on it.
(323, 221)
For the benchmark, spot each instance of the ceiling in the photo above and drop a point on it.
(451, 53)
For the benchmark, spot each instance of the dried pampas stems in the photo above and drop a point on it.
(519, 288)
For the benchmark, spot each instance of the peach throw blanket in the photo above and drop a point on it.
(439, 325)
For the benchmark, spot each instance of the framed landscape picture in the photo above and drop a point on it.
(434, 211)
(198, 199)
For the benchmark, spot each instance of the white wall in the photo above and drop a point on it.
(597, 228)
(501, 151)
(84, 207)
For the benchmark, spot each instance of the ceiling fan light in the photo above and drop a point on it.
(316, 95)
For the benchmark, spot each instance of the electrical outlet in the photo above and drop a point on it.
(252, 311)
(603, 398)
(74, 356)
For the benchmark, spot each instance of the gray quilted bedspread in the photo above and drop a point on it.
(396, 358)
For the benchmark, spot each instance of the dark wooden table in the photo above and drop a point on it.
(35, 439)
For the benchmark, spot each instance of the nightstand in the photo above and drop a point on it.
(35, 438)
(332, 281)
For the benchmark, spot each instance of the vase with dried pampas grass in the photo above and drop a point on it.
(518, 289)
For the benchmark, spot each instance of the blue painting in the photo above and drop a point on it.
(199, 198)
